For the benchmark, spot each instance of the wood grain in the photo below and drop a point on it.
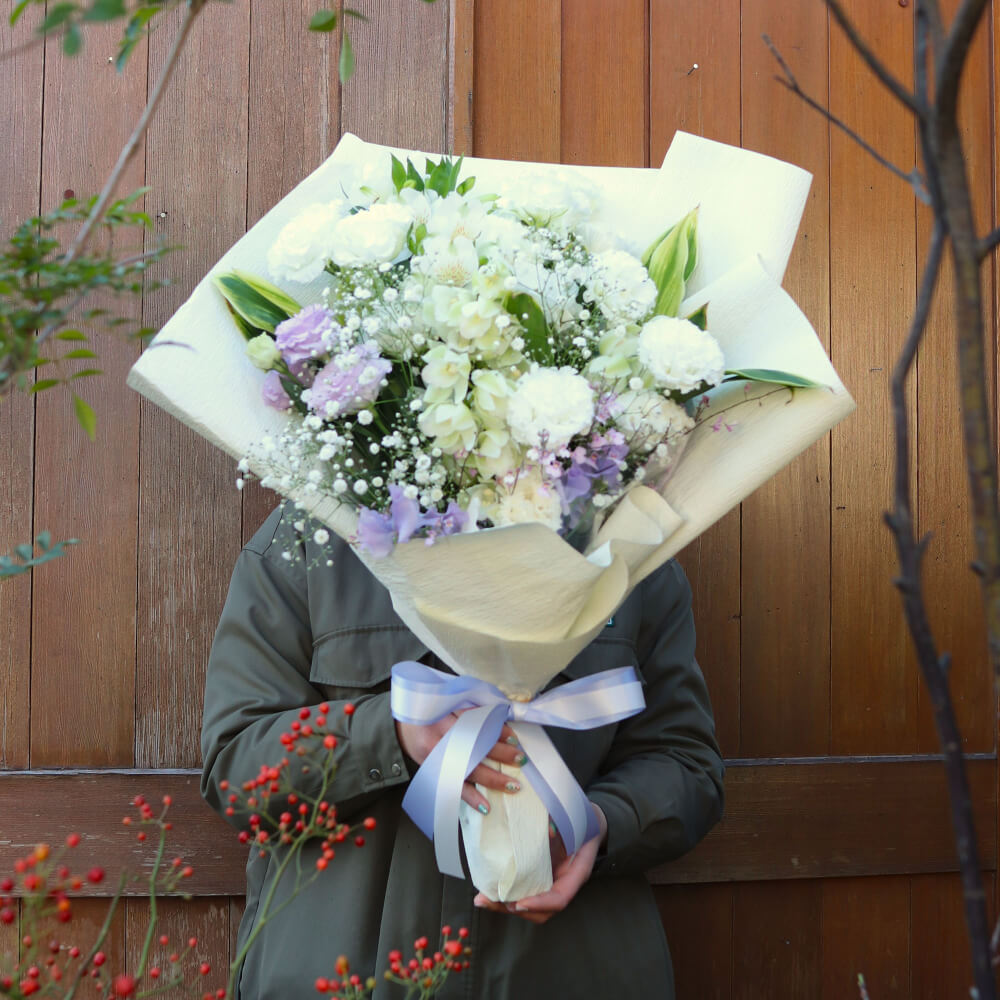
(866, 930)
(188, 509)
(953, 592)
(777, 952)
(698, 921)
(785, 623)
(83, 609)
(10, 940)
(461, 77)
(604, 80)
(874, 681)
(21, 133)
(517, 80)
(706, 102)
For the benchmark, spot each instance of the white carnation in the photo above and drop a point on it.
(648, 419)
(374, 236)
(302, 248)
(678, 355)
(549, 406)
(621, 287)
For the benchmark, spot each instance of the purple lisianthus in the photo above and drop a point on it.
(300, 337)
(348, 382)
(274, 393)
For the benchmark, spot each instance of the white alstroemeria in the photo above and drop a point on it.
(374, 236)
(549, 406)
(447, 370)
(647, 419)
(263, 352)
(442, 307)
(418, 203)
(530, 499)
(620, 287)
(303, 247)
(448, 262)
(456, 217)
(490, 395)
(495, 455)
(679, 355)
(451, 425)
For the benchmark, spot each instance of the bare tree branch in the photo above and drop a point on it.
(872, 61)
(951, 59)
(914, 178)
(989, 242)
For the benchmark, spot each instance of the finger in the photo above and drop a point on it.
(490, 777)
(533, 916)
(471, 795)
(485, 903)
(504, 753)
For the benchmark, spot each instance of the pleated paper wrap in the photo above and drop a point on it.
(514, 605)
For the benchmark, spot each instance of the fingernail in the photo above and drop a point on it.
(552, 829)
(512, 741)
(520, 760)
(512, 786)
(478, 902)
(483, 808)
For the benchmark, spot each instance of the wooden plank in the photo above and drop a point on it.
(189, 508)
(785, 623)
(205, 920)
(941, 957)
(796, 820)
(777, 943)
(10, 943)
(698, 921)
(952, 591)
(604, 117)
(706, 102)
(866, 929)
(83, 611)
(82, 930)
(874, 684)
(825, 819)
(461, 96)
(517, 88)
(399, 94)
(21, 134)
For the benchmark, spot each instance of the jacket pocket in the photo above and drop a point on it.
(257, 871)
(358, 659)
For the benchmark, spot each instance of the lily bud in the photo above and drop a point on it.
(670, 261)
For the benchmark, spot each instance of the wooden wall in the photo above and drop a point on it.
(836, 862)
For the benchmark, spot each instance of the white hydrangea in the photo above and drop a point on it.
(620, 287)
(374, 236)
(647, 419)
(549, 406)
(303, 247)
(678, 355)
(531, 499)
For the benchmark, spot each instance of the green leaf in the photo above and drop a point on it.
(466, 185)
(85, 372)
(398, 174)
(44, 541)
(670, 261)
(105, 10)
(86, 416)
(16, 13)
(58, 15)
(270, 292)
(23, 552)
(44, 383)
(80, 352)
(70, 335)
(72, 40)
(259, 312)
(323, 20)
(346, 58)
(771, 376)
(356, 13)
(529, 315)
(699, 317)
(413, 175)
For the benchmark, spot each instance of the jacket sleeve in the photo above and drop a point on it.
(661, 784)
(258, 681)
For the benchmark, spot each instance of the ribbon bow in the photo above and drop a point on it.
(422, 695)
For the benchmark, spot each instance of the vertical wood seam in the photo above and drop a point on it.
(829, 326)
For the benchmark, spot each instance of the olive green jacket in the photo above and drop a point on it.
(298, 632)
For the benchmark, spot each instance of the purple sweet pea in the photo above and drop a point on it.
(375, 532)
(378, 533)
(348, 382)
(274, 393)
(300, 337)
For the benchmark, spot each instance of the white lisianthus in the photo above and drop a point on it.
(452, 426)
(549, 406)
(373, 236)
(621, 287)
(679, 355)
(303, 247)
(263, 352)
(647, 419)
(448, 372)
(530, 499)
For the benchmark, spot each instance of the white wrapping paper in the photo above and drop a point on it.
(514, 605)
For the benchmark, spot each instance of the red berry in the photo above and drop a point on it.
(154, 972)
(124, 986)
(453, 948)
(446, 930)
(322, 985)
(428, 963)
(463, 932)
(34, 972)
(321, 863)
(304, 713)
(224, 785)
(395, 956)
(29, 986)
(348, 709)
(204, 968)
(192, 942)
(369, 823)
(99, 959)
(167, 800)
(74, 952)
(7, 915)
(6, 884)
(187, 872)
(95, 875)
(73, 840)
(359, 840)
(420, 944)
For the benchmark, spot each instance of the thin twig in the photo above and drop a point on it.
(904, 96)
(930, 7)
(100, 206)
(989, 243)
(914, 178)
(952, 57)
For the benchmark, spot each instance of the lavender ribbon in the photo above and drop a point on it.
(421, 696)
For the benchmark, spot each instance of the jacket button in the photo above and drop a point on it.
(375, 774)
(396, 770)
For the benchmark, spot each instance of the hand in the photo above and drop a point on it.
(418, 741)
(568, 875)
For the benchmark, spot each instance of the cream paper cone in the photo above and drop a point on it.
(514, 605)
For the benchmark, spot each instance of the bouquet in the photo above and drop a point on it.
(485, 376)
